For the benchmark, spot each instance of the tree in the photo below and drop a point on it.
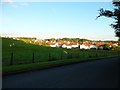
(115, 14)
(106, 47)
(53, 39)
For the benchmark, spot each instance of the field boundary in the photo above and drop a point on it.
(22, 68)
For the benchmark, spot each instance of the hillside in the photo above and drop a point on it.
(23, 53)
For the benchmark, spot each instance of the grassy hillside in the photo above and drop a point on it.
(44, 57)
(23, 53)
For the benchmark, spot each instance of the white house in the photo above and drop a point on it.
(84, 47)
(69, 47)
(63, 46)
(75, 46)
(54, 45)
(66, 46)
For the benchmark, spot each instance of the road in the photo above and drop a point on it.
(94, 74)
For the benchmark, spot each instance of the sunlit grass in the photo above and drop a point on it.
(45, 57)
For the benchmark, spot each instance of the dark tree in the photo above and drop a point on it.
(115, 14)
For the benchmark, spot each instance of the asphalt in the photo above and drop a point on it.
(95, 74)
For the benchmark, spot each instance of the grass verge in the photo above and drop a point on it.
(15, 69)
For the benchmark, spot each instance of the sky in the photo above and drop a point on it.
(56, 20)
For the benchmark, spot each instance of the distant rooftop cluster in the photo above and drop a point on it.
(83, 45)
(69, 43)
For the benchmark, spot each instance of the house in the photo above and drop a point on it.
(53, 44)
(60, 44)
(100, 47)
(63, 46)
(75, 45)
(83, 46)
(68, 42)
(68, 46)
(93, 47)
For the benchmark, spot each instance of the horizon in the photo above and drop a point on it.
(7, 36)
(57, 20)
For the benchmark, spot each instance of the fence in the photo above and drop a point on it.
(35, 57)
(50, 57)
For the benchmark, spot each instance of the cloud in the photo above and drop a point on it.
(8, 1)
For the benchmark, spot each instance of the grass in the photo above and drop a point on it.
(43, 65)
(22, 52)
(44, 57)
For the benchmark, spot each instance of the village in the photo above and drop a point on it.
(71, 43)
(83, 45)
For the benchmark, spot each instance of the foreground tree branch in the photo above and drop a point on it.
(115, 14)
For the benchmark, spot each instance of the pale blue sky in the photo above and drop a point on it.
(57, 19)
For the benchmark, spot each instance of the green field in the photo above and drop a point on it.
(23, 54)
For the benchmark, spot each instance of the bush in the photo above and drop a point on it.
(106, 47)
(115, 48)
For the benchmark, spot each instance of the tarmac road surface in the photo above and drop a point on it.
(95, 74)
